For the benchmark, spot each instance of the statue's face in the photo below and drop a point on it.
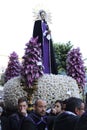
(43, 15)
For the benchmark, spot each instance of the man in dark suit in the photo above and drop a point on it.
(38, 119)
(82, 123)
(67, 120)
(4, 124)
(16, 120)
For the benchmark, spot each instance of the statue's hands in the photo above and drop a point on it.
(48, 32)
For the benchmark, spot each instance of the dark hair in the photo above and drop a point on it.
(72, 103)
(64, 104)
(59, 101)
(22, 99)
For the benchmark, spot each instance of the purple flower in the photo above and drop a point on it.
(75, 66)
(30, 69)
(14, 68)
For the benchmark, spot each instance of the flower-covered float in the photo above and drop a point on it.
(33, 83)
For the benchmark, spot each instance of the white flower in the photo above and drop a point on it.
(13, 91)
(49, 87)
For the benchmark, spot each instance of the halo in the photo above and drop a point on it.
(36, 14)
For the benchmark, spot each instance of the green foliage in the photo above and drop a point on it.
(61, 50)
(2, 80)
(86, 69)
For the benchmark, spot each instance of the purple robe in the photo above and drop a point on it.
(48, 56)
(46, 51)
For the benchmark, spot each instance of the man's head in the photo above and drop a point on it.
(40, 107)
(22, 105)
(75, 105)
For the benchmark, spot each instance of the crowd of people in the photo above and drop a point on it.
(69, 114)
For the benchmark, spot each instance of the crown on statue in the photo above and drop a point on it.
(36, 13)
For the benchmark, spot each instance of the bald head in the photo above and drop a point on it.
(40, 107)
(39, 101)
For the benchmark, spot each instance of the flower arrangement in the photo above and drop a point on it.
(12, 92)
(54, 87)
(75, 66)
(49, 87)
(32, 67)
(13, 68)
